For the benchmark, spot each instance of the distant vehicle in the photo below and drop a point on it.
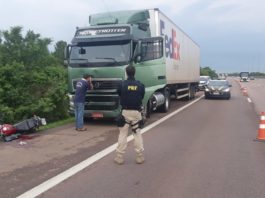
(251, 77)
(218, 89)
(244, 76)
(222, 76)
(203, 82)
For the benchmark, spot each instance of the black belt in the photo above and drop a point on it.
(134, 109)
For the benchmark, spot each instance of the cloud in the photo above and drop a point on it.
(216, 25)
(236, 13)
(55, 19)
(172, 7)
(49, 17)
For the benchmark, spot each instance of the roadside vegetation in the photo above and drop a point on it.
(207, 71)
(255, 74)
(33, 79)
(57, 123)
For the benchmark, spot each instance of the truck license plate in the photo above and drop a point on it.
(97, 115)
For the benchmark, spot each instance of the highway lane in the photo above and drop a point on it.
(204, 151)
(256, 91)
(48, 153)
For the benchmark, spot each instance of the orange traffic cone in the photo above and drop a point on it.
(245, 92)
(261, 132)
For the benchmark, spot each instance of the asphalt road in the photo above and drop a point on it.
(256, 92)
(27, 162)
(205, 151)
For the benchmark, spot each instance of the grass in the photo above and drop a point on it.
(57, 123)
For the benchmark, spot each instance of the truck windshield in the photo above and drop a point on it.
(218, 83)
(100, 54)
(244, 74)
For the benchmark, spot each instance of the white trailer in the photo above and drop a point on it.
(182, 53)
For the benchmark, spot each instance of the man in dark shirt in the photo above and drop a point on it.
(80, 95)
(131, 93)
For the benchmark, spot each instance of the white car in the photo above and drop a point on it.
(203, 82)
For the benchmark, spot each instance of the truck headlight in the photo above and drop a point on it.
(71, 100)
(226, 90)
(207, 90)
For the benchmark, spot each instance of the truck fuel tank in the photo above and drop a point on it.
(158, 99)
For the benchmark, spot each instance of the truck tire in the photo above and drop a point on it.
(193, 92)
(165, 107)
(147, 109)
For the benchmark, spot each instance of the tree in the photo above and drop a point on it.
(207, 71)
(11, 45)
(31, 80)
(59, 51)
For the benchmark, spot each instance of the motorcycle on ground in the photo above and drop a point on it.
(9, 132)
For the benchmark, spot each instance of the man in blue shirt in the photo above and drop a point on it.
(80, 96)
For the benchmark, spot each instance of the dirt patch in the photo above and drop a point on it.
(34, 149)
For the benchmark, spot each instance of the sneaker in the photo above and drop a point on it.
(119, 159)
(140, 159)
(81, 129)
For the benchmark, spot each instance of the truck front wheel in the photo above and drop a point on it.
(147, 109)
(165, 107)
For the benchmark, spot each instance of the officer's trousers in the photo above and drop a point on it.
(131, 116)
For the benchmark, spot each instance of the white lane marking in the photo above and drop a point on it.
(262, 126)
(249, 100)
(82, 165)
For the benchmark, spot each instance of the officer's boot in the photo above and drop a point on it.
(140, 158)
(119, 159)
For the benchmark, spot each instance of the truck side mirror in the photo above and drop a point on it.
(138, 52)
(138, 59)
(66, 55)
(66, 52)
(143, 26)
(65, 62)
(82, 51)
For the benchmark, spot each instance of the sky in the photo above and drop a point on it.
(230, 33)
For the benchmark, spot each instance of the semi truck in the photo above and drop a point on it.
(166, 60)
(244, 76)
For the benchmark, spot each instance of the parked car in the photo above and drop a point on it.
(203, 82)
(218, 89)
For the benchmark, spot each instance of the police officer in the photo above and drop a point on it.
(131, 93)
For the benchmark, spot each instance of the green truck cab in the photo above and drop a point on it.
(146, 39)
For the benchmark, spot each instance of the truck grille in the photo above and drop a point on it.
(102, 84)
(102, 102)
